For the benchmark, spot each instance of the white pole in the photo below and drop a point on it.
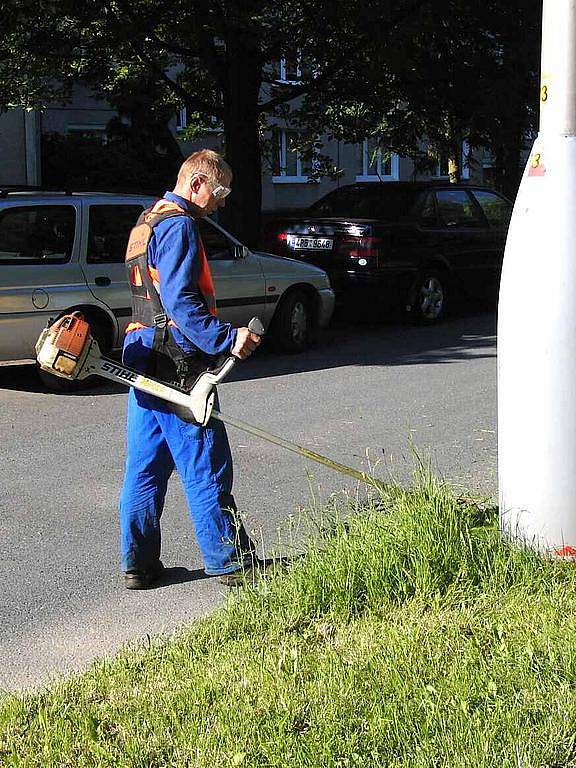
(537, 315)
(558, 69)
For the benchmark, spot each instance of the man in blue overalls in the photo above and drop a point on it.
(173, 333)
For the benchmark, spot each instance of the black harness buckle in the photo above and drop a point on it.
(160, 320)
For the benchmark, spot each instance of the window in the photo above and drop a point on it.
(288, 165)
(216, 244)
(442, 169)
(95, 133)
(428, 217)
(291, 68)
(496, 209)
(290, 71)
(37, 234)
(214, 124)
(488, 159)
(108, 230)
(181, 120)
(456, 209)
(490, 169)
(373, 165)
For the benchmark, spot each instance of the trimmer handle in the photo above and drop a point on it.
(254, 326)
(202, 393)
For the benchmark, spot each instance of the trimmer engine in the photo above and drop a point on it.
(63, 347)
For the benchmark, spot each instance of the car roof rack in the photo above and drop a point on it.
(8, 189)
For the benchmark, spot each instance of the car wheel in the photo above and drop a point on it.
(66, 386)
(293, 324)
(430, 297)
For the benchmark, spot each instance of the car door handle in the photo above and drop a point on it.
(102, 280)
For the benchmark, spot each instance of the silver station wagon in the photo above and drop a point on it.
(64, 251)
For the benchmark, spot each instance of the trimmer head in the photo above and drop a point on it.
(63, 347)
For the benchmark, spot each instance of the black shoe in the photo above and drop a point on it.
(136, 579)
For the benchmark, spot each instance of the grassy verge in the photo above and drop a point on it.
(413, 637)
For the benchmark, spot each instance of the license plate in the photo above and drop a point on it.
(308, 243)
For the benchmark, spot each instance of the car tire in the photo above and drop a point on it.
(293, 326)
(429, 297)
(62, 386)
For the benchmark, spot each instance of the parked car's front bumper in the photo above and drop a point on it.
(326, 302)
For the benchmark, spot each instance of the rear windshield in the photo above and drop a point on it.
(378, 202)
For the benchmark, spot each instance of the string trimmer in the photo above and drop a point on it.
(66, 349)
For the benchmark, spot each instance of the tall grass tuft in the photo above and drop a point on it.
(409, 635)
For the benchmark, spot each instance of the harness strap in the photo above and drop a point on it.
(164, 209)
(167, 361)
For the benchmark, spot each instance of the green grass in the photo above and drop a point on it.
(408, 636)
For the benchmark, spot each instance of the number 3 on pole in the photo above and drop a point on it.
(544, 93)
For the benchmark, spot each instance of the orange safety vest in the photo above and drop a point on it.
(143, 303)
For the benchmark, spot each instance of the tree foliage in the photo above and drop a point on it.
(453, 70)
(401, 70)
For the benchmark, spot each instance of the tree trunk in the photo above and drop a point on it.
(455, 160)
(509, 157)
(453, 171)
(517, 64)
(242, 140)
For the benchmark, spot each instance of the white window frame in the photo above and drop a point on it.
(181, 120)
(394, 174)
(79, 127)
(282, 78)
(465, 155)
(465, 167)
(283, 178)
(100, 130)
(437, 174)
(488, 160)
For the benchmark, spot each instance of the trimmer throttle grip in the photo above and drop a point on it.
(255, 326)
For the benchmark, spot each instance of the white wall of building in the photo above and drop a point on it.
(14, 143)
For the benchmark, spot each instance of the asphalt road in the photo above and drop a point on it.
(368, 396)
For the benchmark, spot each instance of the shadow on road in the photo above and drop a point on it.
(179, 575)
(342, 344)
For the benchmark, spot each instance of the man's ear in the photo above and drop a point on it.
(195, 184)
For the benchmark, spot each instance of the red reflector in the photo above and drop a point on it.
(567, 551)
(282, 236)
(360, 247)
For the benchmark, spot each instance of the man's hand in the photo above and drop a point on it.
(246, 343)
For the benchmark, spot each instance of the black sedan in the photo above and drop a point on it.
(413, 244)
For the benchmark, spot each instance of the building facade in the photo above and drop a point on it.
(286, 183)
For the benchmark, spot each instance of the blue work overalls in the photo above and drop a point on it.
(158, 441)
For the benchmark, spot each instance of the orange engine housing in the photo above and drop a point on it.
(70, 334)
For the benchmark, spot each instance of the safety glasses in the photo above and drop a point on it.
(219, 191)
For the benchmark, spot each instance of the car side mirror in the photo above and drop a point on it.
(240, 251)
